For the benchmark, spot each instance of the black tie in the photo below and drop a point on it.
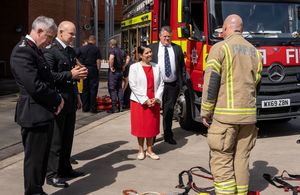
(167, 63)
(69, 50)
(70, 53)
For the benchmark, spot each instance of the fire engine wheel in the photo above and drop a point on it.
(183, 111)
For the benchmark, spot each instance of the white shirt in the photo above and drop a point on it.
(31, 39)
(62, 43)
(161, 62)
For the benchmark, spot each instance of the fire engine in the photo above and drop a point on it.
(272, 26)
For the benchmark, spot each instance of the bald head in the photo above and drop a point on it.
(65, 25)
(66, 32)
(233, 23)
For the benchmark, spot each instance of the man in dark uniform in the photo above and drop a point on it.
(38, 101)
(61, 58)
(115, 76)
(90, 56)
(170, 58)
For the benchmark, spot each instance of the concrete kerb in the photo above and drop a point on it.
(19, 157)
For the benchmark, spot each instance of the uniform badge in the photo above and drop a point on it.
(23, 44)
(48, 46)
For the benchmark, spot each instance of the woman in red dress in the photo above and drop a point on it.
(146, 84)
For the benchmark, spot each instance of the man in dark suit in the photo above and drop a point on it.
(38, 101)
(61, 58)
(170, 58)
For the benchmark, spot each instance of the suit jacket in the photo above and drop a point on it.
(61, 62)
(38, 99)
(179, 61)
(138, 83)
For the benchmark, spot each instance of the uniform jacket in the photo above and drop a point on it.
(138, 83)
(231, 77)
(38, 99)
(61, 62)
(179, 60)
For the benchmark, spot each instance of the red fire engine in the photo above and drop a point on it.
(272, 26)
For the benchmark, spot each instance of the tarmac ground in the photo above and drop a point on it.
(106, 152)
(10, 139)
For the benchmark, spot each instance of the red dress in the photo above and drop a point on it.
(145, 120)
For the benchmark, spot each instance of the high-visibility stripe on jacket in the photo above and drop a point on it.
(231, 76)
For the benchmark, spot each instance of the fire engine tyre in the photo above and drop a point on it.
(184, 112)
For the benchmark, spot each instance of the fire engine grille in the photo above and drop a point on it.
(289, 83)
(280, 110)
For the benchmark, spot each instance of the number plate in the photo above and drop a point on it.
(275, 103)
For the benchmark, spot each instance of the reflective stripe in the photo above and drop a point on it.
(179, 10)
(242, 190)
(215, 65)
(236, 111)
(207, 106)
(227, 187)
(229, 83)
(258, 74)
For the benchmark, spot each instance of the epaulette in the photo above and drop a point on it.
(48, 46)
(23, 44)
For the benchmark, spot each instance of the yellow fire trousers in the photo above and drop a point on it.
(230, 146)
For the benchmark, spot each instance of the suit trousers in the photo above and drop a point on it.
(170, 94)
(230, 146)
(61, 147)
(36, 142)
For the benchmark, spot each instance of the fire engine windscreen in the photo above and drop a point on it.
(276, 19)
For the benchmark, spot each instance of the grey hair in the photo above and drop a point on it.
(44, 23)
(165, 28)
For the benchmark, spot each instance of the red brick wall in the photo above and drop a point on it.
(13, 14)
(25, 11)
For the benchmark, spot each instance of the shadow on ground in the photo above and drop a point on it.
(180, 135)
(101, 171)
(256, 175)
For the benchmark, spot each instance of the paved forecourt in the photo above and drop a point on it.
(106, 152)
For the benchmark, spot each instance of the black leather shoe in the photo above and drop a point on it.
(171, 141)
(73, 174)
(57, 182)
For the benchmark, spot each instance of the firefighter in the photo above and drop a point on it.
(228, 107)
